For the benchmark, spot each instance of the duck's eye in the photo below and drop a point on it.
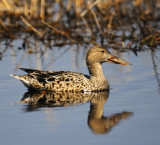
(102, 51)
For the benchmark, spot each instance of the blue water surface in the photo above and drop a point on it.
(134, 88)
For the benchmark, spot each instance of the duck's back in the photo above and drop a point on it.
(55, 80)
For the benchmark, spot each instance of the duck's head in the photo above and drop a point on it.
(97, 54)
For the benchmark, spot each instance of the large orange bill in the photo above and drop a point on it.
(116, 60)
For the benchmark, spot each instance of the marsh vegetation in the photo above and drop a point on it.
(118, 24)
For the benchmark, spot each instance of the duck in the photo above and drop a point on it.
(68, 81)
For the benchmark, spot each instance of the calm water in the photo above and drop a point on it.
(135, 90)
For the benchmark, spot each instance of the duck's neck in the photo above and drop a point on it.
(95, 70)
(97, 77)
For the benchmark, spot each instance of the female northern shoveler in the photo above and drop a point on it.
(68, 81)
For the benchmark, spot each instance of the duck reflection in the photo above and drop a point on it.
(98, 123)
(36, 100)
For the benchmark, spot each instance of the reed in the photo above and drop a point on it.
(29, 8)
(120, 24)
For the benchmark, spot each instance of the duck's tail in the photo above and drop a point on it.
(24, 79)
(17, 77)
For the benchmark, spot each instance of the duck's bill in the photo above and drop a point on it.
(116, 60)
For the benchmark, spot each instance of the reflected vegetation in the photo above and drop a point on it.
(97, 122)
(155, 59)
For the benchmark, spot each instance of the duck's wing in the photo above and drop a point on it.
(58, 76)
(29, 70)
(53, 80)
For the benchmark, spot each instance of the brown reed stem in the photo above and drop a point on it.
(6, 4)
(3, 25)
(42, 9)
(96, 20)
(59, 31)
(29, 25)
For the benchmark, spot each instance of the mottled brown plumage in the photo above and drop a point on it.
(67, 81)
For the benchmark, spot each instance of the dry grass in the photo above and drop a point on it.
(32, 8)
(120, 24)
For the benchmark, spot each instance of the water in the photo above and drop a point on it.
(135, 89)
